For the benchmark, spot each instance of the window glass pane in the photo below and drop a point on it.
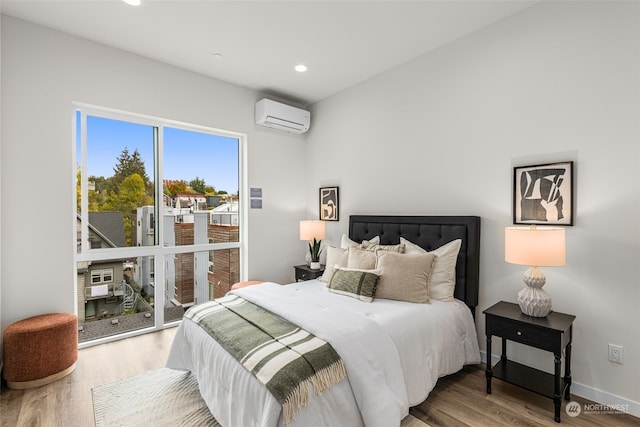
(185, 283)
(114, 296)
(200, 190)
(117, 184)
(195, 277)
(224, 271)
(120, 171)
(107, 275)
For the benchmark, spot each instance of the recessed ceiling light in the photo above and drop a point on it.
(217, 56)
(301, 68)
(133, 2)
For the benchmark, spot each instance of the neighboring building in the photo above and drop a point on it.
(224, 214)
(192, 277)
(106, 230)
(104, 287)
(196, 202)
(101, 286)
(224, 264)
(214, 201)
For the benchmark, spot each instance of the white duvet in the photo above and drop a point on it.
(393, 351)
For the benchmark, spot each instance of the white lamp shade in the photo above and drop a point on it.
(535, 246)
(312, 229)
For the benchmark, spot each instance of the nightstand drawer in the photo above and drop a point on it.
(305, 275)
(304, 272)
(525, 334)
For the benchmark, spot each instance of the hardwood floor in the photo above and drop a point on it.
(457, 400)
(67, 402)
(461, 400)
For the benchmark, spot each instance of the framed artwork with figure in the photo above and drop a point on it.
(329, 203)
(543, 194)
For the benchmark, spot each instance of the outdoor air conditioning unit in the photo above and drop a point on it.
(281, 116)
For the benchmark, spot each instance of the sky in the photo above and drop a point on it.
(187, 154)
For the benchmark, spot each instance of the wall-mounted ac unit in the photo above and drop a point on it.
(281, 116)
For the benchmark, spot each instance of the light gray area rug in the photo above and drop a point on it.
(161, 398)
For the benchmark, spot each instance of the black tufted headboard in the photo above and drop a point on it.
(430, 232)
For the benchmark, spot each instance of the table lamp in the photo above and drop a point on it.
(535, 247)
(313, 231)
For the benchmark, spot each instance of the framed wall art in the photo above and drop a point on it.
(543, 194)
(329, 203)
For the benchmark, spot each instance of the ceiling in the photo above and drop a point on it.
(341, 42)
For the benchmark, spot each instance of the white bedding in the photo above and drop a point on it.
(393, 351)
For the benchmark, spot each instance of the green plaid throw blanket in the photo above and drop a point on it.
(282, 356)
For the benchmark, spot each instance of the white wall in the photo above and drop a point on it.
(438, 135)
(43, 72)
(1, 343)
(441, 134)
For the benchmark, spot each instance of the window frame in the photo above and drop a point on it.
(100, 274)
(158, 251)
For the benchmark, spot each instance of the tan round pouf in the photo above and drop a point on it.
(40, 349)
(240, 285)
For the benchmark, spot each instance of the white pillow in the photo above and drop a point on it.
(335, 257)
(411, 248)
(346, 242)
(443, 277)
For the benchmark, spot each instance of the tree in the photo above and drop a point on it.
(171, 188)
(78, 189)
(130, 196)
(127, 165)
(198, 185)
(97, 200)
(96, 197)
(100, 183)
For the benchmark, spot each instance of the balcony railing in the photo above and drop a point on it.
(132, 301)
(104, 291)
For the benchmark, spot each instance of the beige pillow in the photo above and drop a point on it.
(443, 278)
(361, 259)
(335, 257)
(347, 242)
(395, 248)
(404, 277)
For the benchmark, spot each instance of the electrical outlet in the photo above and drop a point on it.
(616, 353)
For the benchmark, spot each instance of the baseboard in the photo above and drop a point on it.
(609, 401)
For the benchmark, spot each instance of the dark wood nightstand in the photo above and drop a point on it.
(551, 333)
(304, 272)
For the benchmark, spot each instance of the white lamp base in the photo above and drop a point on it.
(533, 300)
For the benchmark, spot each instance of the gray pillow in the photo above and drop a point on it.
(359, 284)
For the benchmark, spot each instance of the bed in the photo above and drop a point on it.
(393, 351)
